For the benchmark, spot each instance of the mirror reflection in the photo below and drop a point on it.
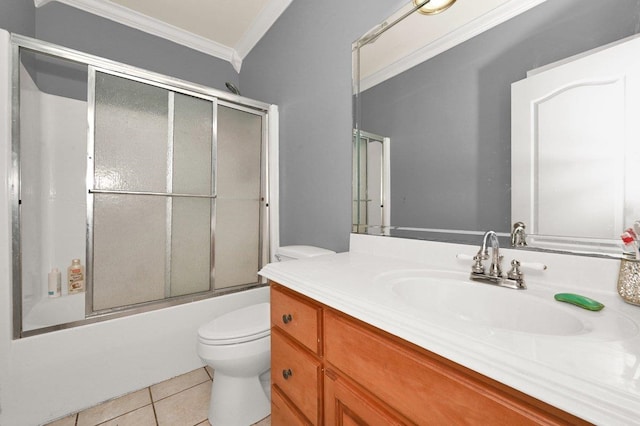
(446, 104)
(574, 149)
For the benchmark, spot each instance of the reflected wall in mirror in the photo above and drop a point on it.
(449, 115)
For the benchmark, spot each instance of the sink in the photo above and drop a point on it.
(452, 297)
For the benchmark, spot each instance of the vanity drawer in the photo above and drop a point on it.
(282, 413)
(297, 374)
(296, 316)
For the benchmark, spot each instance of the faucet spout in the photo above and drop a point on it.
(494, 268)
(494, 242)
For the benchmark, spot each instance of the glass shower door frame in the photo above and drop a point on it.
(269, 185)
(265, 238)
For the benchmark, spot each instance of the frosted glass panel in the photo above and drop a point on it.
(131, 135)
(237, 236)
(192, 145)
(129, 249)
(237, 244)
(239, 137)
(190, 246)
(130, 154)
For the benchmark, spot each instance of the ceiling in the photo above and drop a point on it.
(227, 29)
(420, 37)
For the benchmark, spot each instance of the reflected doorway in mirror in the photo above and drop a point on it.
(371, 183)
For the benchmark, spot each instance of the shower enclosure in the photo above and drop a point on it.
(159, 187)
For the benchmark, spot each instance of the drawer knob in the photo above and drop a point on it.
(287, 373)
(287, 318)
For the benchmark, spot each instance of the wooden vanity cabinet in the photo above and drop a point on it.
(363, 375)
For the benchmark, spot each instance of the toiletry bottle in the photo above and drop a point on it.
(55, 283)
(75, 276)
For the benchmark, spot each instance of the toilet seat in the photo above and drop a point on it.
(242, 325)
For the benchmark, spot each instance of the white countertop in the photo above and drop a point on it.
(593, 376)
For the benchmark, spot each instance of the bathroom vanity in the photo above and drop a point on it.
(371, 336)
(328, 365)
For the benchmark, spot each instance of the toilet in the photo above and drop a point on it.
(237, 345)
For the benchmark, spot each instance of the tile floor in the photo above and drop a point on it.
(181, 401)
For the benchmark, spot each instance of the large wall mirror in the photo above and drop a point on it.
(438, 88)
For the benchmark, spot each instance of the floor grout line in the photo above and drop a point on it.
(125, 413)
(153, 407)
(174, 394)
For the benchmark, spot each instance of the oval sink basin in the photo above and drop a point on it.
(453, 297)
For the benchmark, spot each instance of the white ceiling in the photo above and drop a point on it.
(227, 29)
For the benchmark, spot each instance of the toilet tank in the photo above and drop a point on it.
(300, 252)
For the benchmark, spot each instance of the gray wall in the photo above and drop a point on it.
(73, 28)
(303, 64)
(18, 16)
(449, 118)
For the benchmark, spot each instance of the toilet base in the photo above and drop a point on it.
(237, 401)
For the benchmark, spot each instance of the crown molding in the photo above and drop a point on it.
(456, 36)
(133, 19)
(261, 25)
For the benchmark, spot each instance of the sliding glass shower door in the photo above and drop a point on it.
(238, 216)
(153, 180)
(176, 198)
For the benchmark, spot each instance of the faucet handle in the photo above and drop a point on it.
(477, 266)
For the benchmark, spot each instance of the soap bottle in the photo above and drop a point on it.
(55, 283)
(75, 277)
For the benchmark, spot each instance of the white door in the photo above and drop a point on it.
(575, 143)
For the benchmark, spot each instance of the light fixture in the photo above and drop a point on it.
(433, 7)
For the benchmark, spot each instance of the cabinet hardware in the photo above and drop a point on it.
(287, 373)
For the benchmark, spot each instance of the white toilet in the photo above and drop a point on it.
(237, 345)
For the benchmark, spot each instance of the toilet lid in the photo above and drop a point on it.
(237, 326)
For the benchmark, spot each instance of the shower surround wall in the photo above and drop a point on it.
(53, 129)
(50, 375)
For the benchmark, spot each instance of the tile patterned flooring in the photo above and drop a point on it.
(181, 401)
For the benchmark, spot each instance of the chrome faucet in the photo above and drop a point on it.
(513, 279)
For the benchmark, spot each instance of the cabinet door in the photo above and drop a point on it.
(346, 405)
(425, 388)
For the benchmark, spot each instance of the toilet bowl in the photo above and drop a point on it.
(237, 346)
